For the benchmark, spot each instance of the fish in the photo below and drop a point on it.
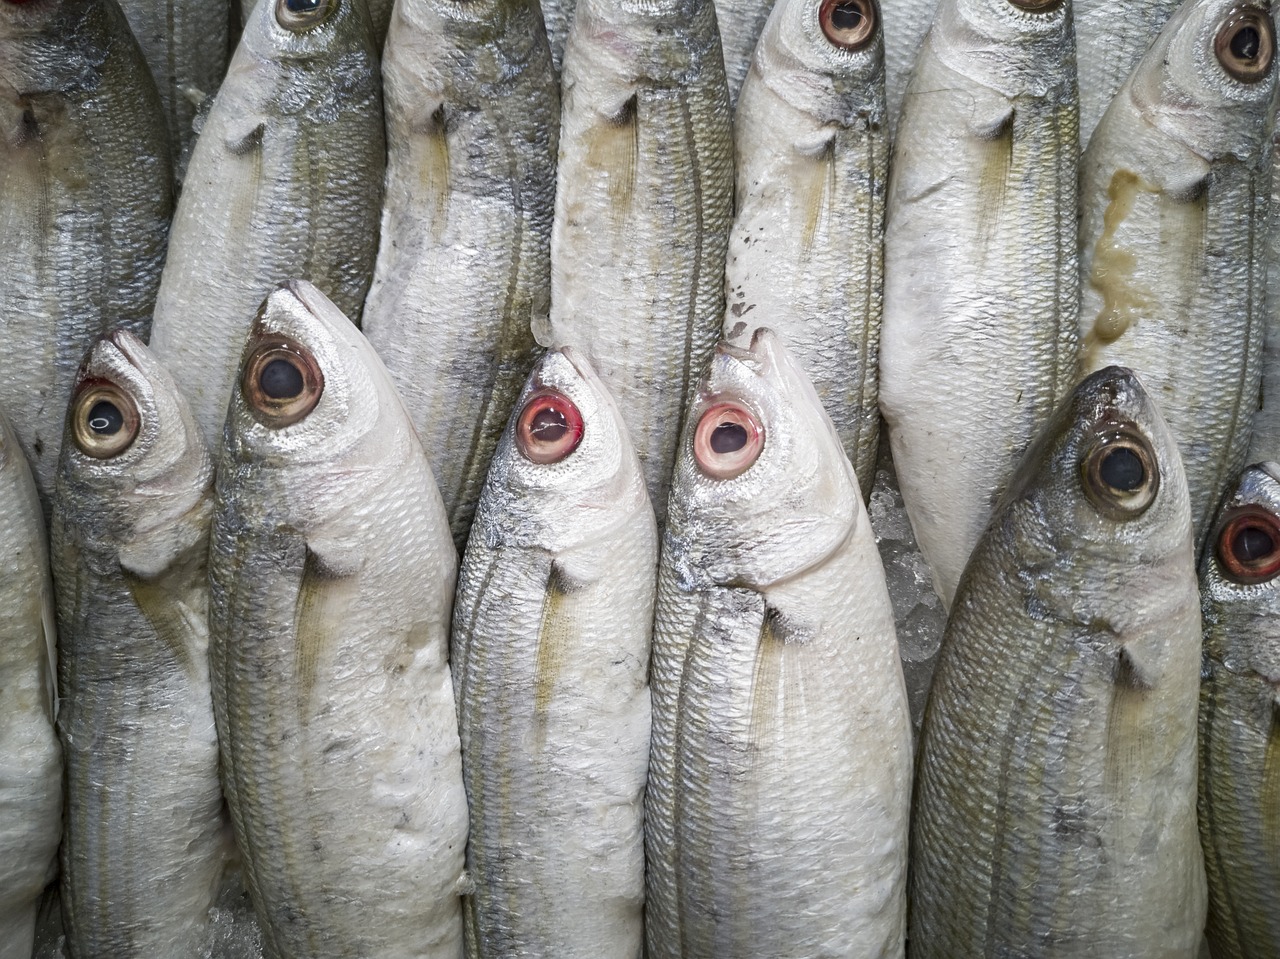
(557, 15)
(1264, 438)
(285, 180)
(147, 836)
(30, 755)
(550, 658)
(1054, 812)
(780, 763)
(979, 344)
(644, 202)
(1174, 187)
(906, 22)
(86, 193)
(806, 253)
(380, 13)
(332, 573)
(740, 23)
(1239, 737)
(464, 263)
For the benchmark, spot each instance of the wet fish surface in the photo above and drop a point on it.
(905, 24)
(332, 575)
(740, 23)
(1054, 812)
(780, 764)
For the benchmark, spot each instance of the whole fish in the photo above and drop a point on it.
(464, 266)
(30, 757)
(146, 833)
(550, 665)
(1054, 810)
(285, 180)
(806, 253)
(1239, 735)
(332, 576)
(740, 23)
(905, 24)
(1175, 190)
(780, 766)
(644, 201)
(979, 338)
(86, 192)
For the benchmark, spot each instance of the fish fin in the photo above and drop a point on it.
(555, 633)
(330, 583)
(244, 135)
(173, 621)
(1130, 674)
(433, 166)
(17, 120)
(816, 189)
(991, 118)
(612, 147)
(816, 146)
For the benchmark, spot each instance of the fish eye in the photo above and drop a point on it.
(282, 382)
(849, 24)
(549, 427)
(1120, 475)
(1245, 44)
(727, 441)
(104, 419)
(298, 16)
(1036, 6)
(1249, 545)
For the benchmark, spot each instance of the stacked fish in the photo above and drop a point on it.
(612, 301)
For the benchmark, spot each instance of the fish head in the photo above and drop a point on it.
(762, 489)
(640, 41)
(332, 39)
(1209, 77)
(1014, 47)
(564, 472)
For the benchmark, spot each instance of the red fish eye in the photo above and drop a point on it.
(728, 440)
(1249, 546)
(549, 427)
(850, 24)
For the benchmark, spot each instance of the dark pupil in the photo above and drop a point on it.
(728, 437)
(303, 6)
(1122, 469)
(548, 425)
(105, 418)
(1246, 42)
(280, 380)
(845, 16)
(1251, 544)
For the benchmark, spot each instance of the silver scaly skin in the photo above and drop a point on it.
(905, 24)
(1175, 190)
(806, 253)
(644, 201)
(147, 835)
(1239, 708)
(550, 663)
(780, 764)
(740, 23)
(1054, 813)
(285, 180)
(332, 576)
(978, 343)
(86, 192)
(558, 18)
(30, 757)
(464, 266)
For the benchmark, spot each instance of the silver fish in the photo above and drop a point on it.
(551, 660)
(285, 180)
(464, 266)
(780, 765)
(147, 836)
(1054, 812)
(332, 577)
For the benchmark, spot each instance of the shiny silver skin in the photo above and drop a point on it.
(644, 201)
(464, 265)
(740, 23)
(806, 253)
(380, 13)
(551, 668)
(978, 344)
(332, 576)
(86, 192)
(1239, 740)
(1054, 812)
(1175, 190)
(30, 756)
(558, 17)
(905, 24)
(147, 835)
(286, 180)
(780, 765)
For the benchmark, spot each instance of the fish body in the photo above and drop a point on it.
(806, 253)
(332, 576)
(780, 765)
(740, 23)
(30, 756)
(1054, 812)
(286, 180)
(558, 18)
(146, 832)
(644, 201)
(905, 24)
(86, 193)
(551, 659)
(464, 266)
(1175, 189)
(978, 343)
